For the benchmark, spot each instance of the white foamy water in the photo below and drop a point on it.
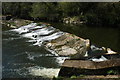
(29, 25)
(44, 29)
(102, 58)
(24, 29)
(36, 27)
(60, 60)
(48, 38)
(36, 34)
(33, 40)
(44, 72)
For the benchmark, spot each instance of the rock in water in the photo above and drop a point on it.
(110, 51)
(69, 45)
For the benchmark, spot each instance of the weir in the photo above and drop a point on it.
(80, 54)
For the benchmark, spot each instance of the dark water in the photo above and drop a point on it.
(22, 59)
(99, 36)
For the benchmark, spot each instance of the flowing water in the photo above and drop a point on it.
(25, 56)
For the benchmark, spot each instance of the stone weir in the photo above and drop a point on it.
(84, 57)
(69, 45)
(62, 43)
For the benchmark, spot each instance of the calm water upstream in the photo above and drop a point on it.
(99, 36)
(23, 59)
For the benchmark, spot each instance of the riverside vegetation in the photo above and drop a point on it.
(68, 12)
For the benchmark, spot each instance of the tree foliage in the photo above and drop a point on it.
(47, 11)
(94, 13)
(17, 9)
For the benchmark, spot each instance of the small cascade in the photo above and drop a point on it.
(37, 35)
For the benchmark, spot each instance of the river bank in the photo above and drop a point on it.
(74, 20)
(102, 14)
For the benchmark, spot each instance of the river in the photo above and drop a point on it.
(22, 59)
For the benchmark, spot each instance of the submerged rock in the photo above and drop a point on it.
(69, 45)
